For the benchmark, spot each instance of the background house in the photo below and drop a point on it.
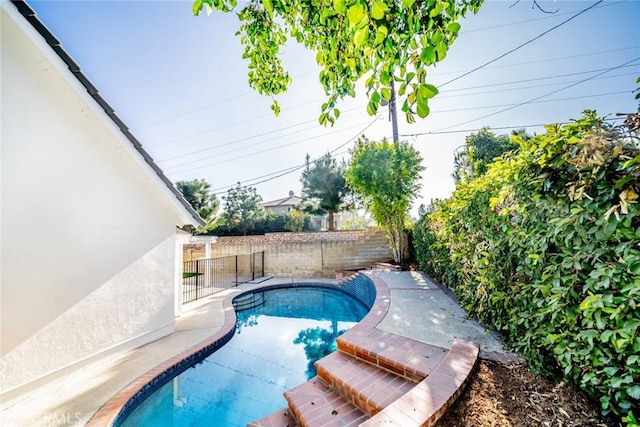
(89, 244)
(284, 206)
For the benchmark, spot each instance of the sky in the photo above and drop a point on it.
(179, 82)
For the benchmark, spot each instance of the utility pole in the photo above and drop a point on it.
(393, 113)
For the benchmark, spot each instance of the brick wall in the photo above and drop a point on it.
(318, 254)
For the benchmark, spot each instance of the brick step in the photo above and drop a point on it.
(369, 387)
(280, 418)
(314, 404)
(405, 357)
(430, 399)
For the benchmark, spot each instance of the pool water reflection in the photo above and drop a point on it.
(273, 350)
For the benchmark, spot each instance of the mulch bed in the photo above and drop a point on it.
(511, 395)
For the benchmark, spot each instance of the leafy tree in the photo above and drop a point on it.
(198, 194)
(318, 343)
(390, 41)
(296, 220)
(242, 209)
(356, 222)
(270, 222)
(324, 186)
(479, 150)
(386, 176)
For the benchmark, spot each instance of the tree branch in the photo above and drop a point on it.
(536, 5)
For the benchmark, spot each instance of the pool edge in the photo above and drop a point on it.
(110, 413)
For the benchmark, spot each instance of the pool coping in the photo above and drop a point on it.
(115, 407)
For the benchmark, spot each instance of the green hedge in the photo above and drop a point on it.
(545, 247)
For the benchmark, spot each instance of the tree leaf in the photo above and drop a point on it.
(268, 5)
(634, 268)
(378, 10)
(386, 93)
(407, 3)
(371, 109)
(634, 392)
(427, 91)
(428, 55)
(360, 36)
(355, 14)
(454, 27)
(197, 7)
(385, 78)
(339, 6)
(423, 108)
(381, 34)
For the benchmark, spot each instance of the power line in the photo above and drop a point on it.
(447, 132)
(541, 96)
(233, 97)
(249, 119)
(452, 80)
(293, 107)
(555, 15)
(202, 150)
(292, 169)
(359, 107)
(527, 87)
(319, 136)
(533, 79)
(286, 171)
(559, 58)
(204, 107)
(260, 152)
(522, 45)
(453, 110)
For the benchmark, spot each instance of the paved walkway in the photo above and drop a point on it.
(419, 310)
(423, 311)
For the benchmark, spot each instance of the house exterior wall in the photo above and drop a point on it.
(88, 250)
(278, 210)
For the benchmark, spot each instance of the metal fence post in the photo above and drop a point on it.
(197, 276)
(236, 270)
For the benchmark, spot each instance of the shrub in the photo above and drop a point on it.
(545, 247)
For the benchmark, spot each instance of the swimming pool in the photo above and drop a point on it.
(277, 339)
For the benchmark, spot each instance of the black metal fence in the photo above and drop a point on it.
(204, 277)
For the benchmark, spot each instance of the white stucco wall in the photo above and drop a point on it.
(87, 235)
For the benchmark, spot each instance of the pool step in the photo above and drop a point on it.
(403, 356)
(369, 387)
(280, 418)
(431, 397)
(350, 391)
(315, 404)
(245, 302)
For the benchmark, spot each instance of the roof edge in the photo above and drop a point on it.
(30, 16)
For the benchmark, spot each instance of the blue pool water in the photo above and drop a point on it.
(272, 350)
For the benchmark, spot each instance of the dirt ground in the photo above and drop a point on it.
(509, 395)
